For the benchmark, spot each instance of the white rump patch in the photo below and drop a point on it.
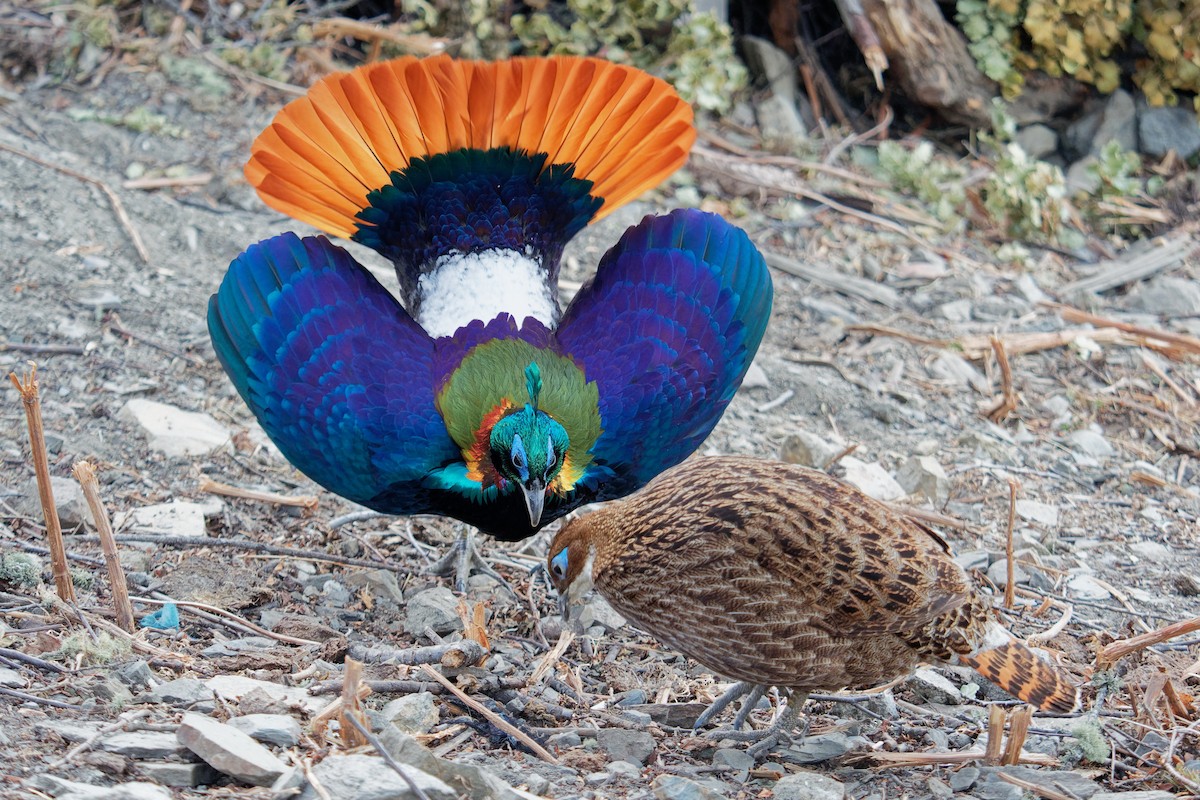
(463, 287)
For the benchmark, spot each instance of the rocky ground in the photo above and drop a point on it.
(877, 365)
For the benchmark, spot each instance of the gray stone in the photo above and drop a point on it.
(756, 378)
(233, 688)
(277, 729)
(233, 647)
(972, 559)
(961, 780)
(1056, 780)
(1166, 296)
(739, 761)
(1036, 511)
(185, 774)
(924, 476)
(185, 692)
(998, 790)
(434, 608)
(173, 431)
(623, 769)
(934, 687)
(1037, 140)
(1090, 443)
(998, 573)
(956, 370)
(134, 674)
(141, 744)
(381, 583)
(413, 713)
(676, 787)
(626, 745)
(363, 777)
(1081, 176)
(1116, 121)
(779, 119)
(1058, 406)
(871, 706)
(1151, 551)
(823, 747)
(63, 789)
(473, 781)
(68, 501)
(1027, 285)
(564, 741)
(956, 310)
(871, 479)
(12, 679)
(805, 785)
(597, 611)
(229, 750)
(938, 789)
(1161, 130)
(1145, 794)
(808, 449)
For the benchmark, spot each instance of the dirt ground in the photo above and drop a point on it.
(1112, 532)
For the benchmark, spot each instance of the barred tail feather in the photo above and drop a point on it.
(1022, 673)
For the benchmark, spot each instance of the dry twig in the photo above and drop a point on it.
(1117, 650)
(85, 473)
(492, 717)
(351, 710)
(1007, 402)
(307, 501)
(28, 389)
(1010, 583)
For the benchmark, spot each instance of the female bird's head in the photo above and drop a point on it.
(528, 446)
(570, 559)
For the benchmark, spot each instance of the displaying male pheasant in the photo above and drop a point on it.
(479, 399)
(778, 575)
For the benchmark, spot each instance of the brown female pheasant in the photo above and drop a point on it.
(778, 575)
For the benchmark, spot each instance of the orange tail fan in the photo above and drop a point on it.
(1019, 671)
(619, 128)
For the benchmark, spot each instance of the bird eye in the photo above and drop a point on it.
(518, 452)
(518, 460)
(558, 565)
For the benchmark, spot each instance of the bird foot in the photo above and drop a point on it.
(781, 730)
(462, 559)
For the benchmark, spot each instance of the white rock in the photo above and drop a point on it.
(805, 785)
(277, 729)
(413, 713)
(958, 371)
(935, 687)
(756, 378)
(1085, 587)
(362, 777)
(231, 688)
(12, 679)
(808, 449)
(1151, 551)
(230, 751)
(1035, 511)
(924, 476)
(1091, 443)
(872, 479)
(173, 431)
(72, 790)
(177, 518)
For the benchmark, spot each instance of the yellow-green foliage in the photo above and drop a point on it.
(19, 570)
(103, 650)
(938, 182)
(1081, 37)
(1170, 31)
(694, 52)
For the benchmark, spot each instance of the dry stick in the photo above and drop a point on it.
(199, 179)
(85, 473)
(222, 617)
(33, 661)
(1018, 729)
(122, 721)
(1188, 343)
(1034, 788)
(308, 502)
(351, 705)
(492, 716)
(44, 349)
(1013, 487)
(33, 698)
(454, 655)
(1008, 400)
(41, 467)
(1123, 647)
(551, 658)
(925, 515)
(117, 207)
(1154, 367)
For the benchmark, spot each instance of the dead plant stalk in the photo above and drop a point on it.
(85, 473)
(28, 389)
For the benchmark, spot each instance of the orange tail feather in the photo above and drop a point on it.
(1022, 673)
(622, 129)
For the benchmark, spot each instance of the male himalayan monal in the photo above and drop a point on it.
(480, 399)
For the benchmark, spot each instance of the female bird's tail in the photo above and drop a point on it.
(1021, 672)
(427, 158)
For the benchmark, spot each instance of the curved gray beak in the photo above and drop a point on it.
(535, 501)
(564, 606)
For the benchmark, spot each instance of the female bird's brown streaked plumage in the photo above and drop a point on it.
(774, 574)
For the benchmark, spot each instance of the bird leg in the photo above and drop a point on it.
(732, 693)
(779, 730)
(462, 558)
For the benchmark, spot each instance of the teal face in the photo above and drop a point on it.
(527, 448)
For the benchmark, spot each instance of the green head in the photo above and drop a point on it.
(528, 446)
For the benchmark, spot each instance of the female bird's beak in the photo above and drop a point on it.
(535, 500)
(564, 605)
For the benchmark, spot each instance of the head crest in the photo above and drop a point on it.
(533, 383)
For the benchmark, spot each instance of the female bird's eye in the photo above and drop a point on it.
(558, 565)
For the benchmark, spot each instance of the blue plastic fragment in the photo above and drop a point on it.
(165, 619)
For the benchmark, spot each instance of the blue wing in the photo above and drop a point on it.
(338, 374)
(667, 329)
